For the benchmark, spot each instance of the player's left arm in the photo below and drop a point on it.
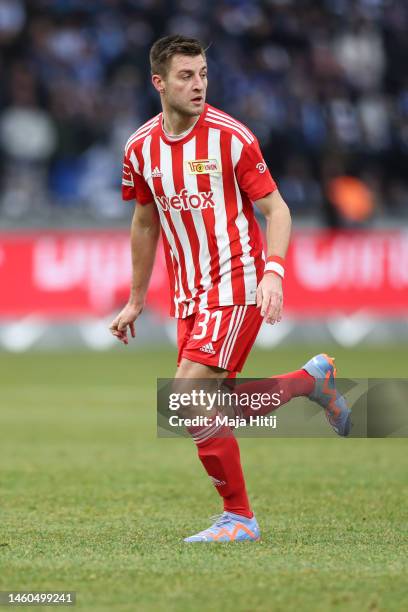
(269, 294)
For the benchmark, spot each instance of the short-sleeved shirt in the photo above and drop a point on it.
(204, 186)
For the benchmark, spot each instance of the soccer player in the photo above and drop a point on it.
(195, 173)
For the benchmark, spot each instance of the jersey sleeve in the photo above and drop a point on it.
(134, 186)
(252, 173)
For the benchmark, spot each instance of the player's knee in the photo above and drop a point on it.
(195, 396)
(199, 371)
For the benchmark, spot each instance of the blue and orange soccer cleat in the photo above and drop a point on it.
(323, 370)
(229, 527)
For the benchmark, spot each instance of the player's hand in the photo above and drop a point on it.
(269, 298)
(125, 319)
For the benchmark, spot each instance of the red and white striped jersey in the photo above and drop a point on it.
(204, 186)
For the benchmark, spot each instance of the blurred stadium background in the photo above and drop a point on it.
(324, 86)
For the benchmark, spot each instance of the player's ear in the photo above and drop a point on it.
(158, 83)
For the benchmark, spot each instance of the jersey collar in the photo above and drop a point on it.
(187, 136)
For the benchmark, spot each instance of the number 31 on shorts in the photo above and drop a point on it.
(205, 319)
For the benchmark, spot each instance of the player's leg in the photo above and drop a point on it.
(202, 342)
(217, 447)
(287, 386)
(315, 380)
(218, 451)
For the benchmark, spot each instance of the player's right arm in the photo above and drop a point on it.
(144, 236)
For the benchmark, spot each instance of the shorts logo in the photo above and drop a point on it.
(186, 201)
(203, 166)
(261, 167)
(208, 348)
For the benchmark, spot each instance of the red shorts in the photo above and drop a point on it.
(220, 337)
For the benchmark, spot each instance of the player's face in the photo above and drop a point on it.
(185, 84)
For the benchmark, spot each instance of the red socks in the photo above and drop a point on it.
(221, 459)
(287, 386)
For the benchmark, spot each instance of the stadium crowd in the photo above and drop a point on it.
(322, 83)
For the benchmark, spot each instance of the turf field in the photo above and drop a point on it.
(92, 501)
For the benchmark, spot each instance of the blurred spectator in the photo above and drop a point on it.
(352, 199)
(313, 79)
(300, 189)
(12, 18)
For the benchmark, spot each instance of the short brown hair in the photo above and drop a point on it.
(165, 48)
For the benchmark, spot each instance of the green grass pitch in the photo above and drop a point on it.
(92, 501)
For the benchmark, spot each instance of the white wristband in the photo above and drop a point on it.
(274, 266)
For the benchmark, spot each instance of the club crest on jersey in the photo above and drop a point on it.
(203, 166)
